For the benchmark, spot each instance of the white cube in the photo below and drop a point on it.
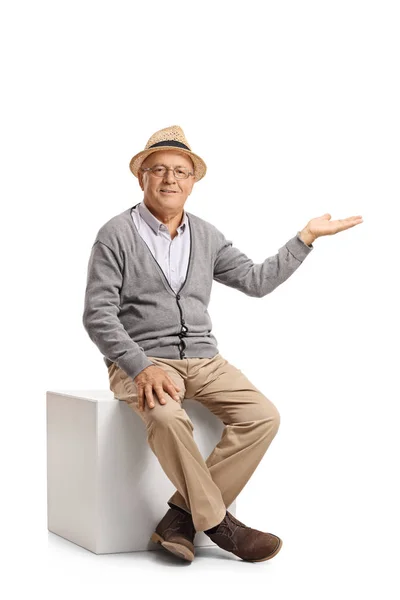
(106, 490)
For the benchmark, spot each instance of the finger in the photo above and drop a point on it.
(160, 394)
(173, 383)
(178, 389)
(172, 392)
(349, 222)
(353, 219)
(149, 395)
(140, 398)
(175, 387)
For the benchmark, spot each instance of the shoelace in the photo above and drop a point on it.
(229, 525)
(235, 520)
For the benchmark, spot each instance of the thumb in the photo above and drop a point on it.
(326, 216)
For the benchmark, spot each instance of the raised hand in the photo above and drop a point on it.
(324, 226)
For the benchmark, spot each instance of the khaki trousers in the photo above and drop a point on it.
(204, 488)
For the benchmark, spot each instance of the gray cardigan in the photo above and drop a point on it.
(130, 310)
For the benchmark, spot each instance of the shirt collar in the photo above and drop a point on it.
(157, 225)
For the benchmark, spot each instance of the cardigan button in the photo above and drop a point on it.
(178, 297)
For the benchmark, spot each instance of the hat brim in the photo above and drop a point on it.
(200, 166)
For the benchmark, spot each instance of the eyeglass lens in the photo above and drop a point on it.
(179, 172)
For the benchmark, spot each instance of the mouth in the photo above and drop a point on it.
(168, 192)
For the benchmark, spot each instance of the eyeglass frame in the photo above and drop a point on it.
(167, 169)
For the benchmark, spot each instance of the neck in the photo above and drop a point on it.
(171, 220)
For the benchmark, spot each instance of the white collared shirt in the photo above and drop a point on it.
(171, 254)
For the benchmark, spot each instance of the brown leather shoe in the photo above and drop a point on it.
(175, 532)
(246, 543)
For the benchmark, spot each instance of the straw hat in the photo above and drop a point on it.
(171, 138)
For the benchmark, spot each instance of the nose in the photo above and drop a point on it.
(169, 176)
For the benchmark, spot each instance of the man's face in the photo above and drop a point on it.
(166, 193)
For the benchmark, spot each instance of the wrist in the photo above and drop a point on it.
(306, 236)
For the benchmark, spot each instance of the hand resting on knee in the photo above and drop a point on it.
(154, 378)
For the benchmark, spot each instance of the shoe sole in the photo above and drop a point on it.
(177, 549)
(274, 553)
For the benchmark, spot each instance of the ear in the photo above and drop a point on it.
(140, 178)
(194, 181)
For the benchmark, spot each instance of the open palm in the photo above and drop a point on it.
(324, 226)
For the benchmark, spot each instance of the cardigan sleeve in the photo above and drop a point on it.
(101, 308)
(234, 269)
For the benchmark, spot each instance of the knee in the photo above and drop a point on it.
(271, 418)
(168, 416)
(276, 420)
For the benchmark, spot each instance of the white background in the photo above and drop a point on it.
(294, 106)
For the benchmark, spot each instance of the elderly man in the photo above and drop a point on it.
(149, 281)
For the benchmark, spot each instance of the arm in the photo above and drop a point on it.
(235, 269)
(100, 316)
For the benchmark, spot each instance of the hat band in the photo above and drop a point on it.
(170, 143)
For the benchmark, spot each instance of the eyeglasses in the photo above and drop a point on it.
(160, 171)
